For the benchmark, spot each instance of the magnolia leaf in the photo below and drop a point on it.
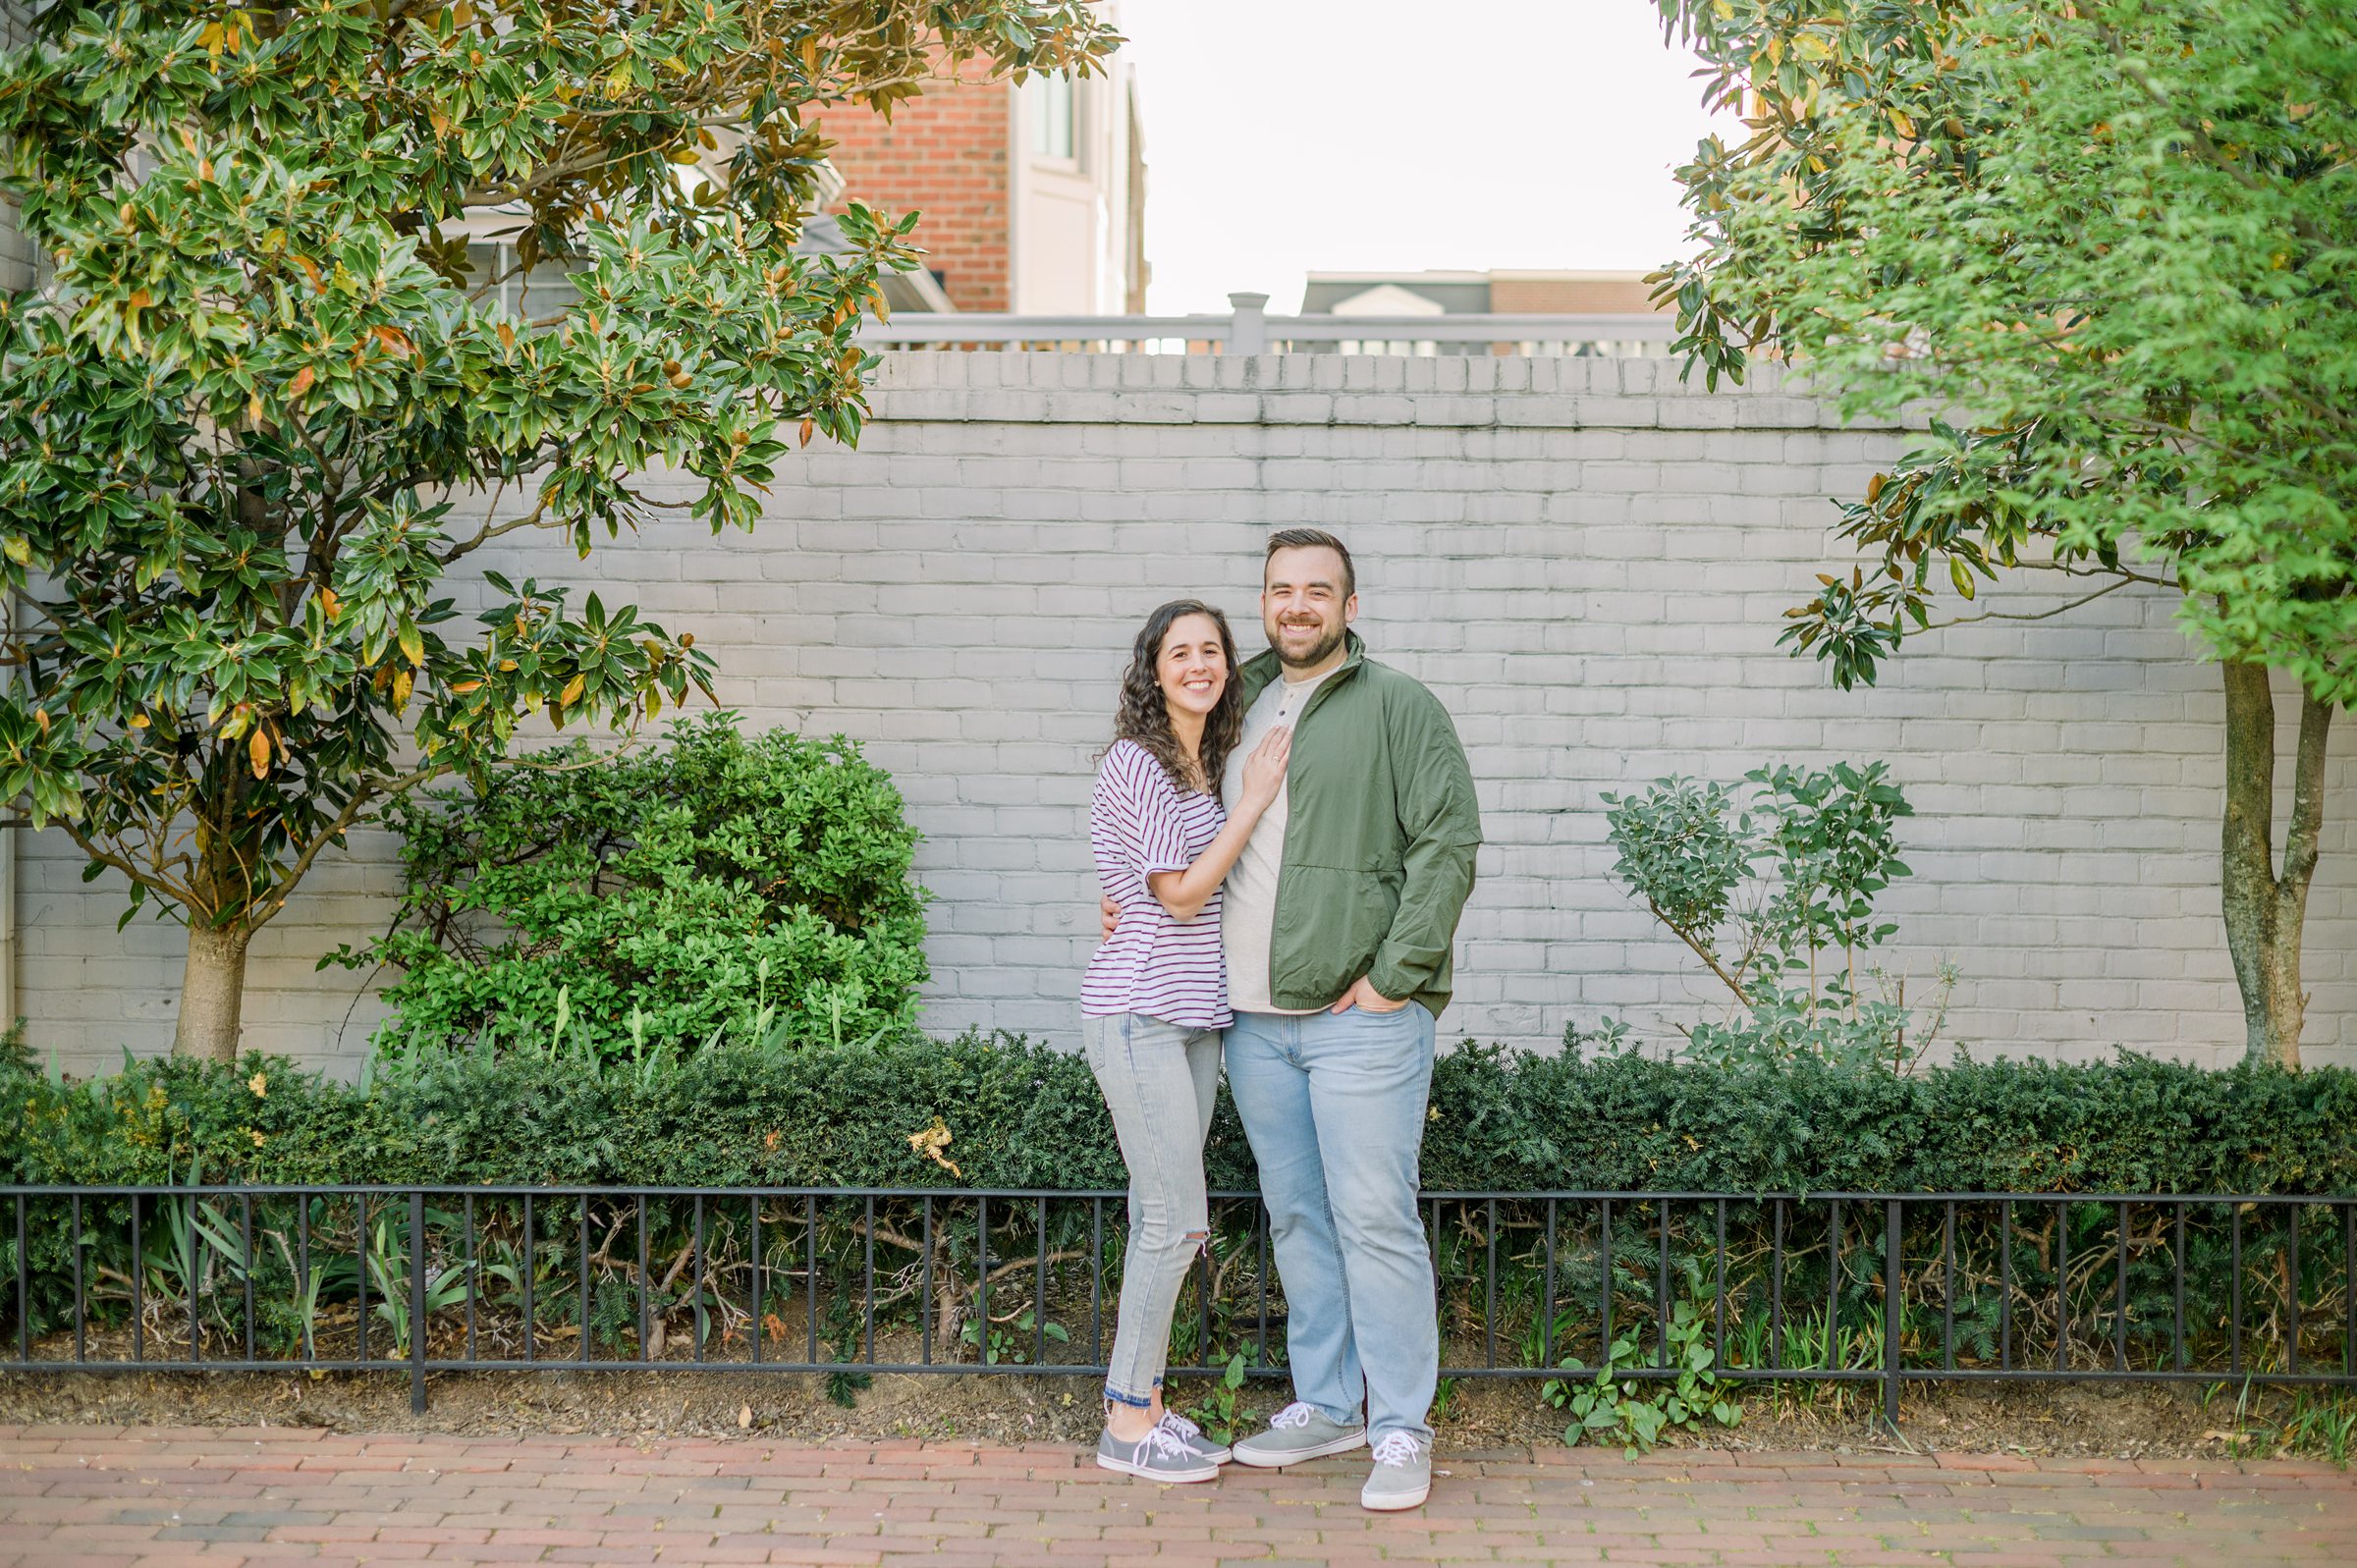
(258, 750)
(573, 690)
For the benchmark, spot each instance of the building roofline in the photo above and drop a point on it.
(1399, 277)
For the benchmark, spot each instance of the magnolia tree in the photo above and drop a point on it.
(2122, 234)
(247, 429)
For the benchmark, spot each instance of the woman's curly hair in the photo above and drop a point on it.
(1144, 715)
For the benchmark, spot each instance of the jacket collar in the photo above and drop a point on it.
(1263, 667)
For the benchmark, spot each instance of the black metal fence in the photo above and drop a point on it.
(1873, 1288)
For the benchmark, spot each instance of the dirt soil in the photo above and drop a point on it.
(2117, 1421)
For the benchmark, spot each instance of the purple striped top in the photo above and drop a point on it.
(1140, 823)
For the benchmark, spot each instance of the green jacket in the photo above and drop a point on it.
(1379, 838)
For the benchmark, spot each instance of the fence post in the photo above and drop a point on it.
(417, 1302)
(1249, 332)
(1890, 1295)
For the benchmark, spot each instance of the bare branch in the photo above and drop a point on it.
(1700, 951)
(534, 518)
(361, 798)
(2037, 615)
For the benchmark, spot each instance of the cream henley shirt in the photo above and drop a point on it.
(1249, 919)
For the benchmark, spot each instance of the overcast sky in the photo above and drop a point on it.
(1286, 136)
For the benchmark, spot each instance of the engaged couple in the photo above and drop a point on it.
(1283, 849)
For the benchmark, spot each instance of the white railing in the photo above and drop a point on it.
(1249, 329)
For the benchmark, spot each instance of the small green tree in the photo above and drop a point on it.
(1766, 893)
(245, 434)
(2122, 234)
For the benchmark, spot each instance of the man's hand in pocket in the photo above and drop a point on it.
(1366, 998)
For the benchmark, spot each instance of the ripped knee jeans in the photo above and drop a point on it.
(1159, 1080)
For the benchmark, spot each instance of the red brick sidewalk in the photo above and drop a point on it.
(98, 1497)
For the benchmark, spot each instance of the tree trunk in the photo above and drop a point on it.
(212, 993)
(2265, 913)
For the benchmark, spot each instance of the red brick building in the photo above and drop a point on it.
(1033, 194)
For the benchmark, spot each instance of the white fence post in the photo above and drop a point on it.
(1250, 333)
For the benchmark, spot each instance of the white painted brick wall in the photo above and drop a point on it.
(1586, 560)
(16, 250)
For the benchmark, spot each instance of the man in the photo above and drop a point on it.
(1340, 915)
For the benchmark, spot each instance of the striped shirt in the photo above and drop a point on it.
(1139, 823)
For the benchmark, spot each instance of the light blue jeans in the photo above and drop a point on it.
(1333, 1105)
(1160, 1082)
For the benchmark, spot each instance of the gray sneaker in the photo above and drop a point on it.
(1297, 1433)
(1159, 1455)
(1188, 1432)
(1401, 1477)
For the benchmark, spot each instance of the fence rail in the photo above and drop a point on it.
(1873, 1288)
(1249, 329)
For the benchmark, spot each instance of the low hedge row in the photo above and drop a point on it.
(1022, 1116)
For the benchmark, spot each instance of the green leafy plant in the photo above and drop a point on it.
(2321, 1422)
(389, 1274)
(327, 1277)
(2113, 243)
(237, 427)
(844, 1338)
(1221, 1412)
(1762, 890)
(1011, 1342)
(1610, 1406)
(653, 901)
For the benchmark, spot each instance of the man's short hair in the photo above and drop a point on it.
(1311, 539)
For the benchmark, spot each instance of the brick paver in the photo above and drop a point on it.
(103, 1496)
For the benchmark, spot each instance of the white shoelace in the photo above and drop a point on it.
(1179, 1426)
(1295, 1414)
(1163, 1442)
(1397, 1448)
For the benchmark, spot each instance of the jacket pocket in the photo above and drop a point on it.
(1330, 922)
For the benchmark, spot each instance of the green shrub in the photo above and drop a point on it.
(1776, 897)
(659, 899)
(996, 1112)
(1021, 1115)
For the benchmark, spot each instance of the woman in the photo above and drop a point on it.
(1156, 996)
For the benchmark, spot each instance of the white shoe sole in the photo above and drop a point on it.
(1323, 1450)
(1125, 1467)
(1394, 1502)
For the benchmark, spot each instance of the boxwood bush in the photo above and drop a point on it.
(716, 884)
(1021, 1115)
(1016, 1114)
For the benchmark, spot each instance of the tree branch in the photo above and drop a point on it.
(534, 519)
(2126, 579)
(361, 798)
(2307, 797)
(177, 891)
(1700, 951)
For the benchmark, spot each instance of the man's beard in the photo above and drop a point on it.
(1319, 651)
